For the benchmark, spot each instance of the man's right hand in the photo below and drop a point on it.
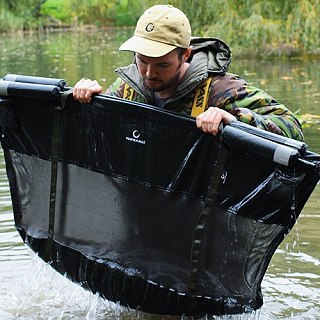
(84, 89)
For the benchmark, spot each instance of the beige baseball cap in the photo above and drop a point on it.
(160, 29)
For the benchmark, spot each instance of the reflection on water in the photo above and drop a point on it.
(29, 289)
(65, 55)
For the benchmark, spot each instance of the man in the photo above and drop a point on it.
(189, 75)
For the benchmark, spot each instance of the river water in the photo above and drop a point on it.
(29, 289)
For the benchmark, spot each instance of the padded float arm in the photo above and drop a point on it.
(36, 80)
(28, 90)
(279, 149)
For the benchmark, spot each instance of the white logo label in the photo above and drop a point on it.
(135, 137)
(136, 134)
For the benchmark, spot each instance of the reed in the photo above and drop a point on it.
(20, 15)
(9, 21)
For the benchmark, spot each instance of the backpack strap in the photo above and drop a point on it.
(128, 92)
(200, 100)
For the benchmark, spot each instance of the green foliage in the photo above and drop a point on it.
(257, 26)
(17, 15)
(125, 12)
(248, 26)
(303, 24)
(95, 12)
(60, 8)
(8, 18)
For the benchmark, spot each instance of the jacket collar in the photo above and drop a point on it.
(210, 56)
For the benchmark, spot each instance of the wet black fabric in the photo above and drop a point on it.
(145, 202)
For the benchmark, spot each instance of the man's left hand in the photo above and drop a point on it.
(210, 120)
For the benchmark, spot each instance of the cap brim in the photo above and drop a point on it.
(146, 47)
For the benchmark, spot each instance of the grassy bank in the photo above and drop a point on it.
(249, 26)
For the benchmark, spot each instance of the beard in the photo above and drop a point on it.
(157, 85)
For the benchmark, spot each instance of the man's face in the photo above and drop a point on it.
(159, 74)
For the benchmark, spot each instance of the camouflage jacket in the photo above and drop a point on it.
(211, 58)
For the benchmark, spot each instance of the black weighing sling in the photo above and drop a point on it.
(137, 204)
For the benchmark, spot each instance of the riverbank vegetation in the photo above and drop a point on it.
(249, 26)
